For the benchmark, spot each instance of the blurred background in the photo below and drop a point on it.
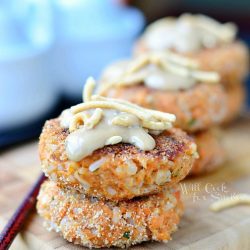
(49, 47)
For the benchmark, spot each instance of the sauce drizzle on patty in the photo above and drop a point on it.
(102, 121)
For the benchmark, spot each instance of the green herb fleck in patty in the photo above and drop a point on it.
(126, 235)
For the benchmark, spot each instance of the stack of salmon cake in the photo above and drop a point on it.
(113, 170)
(191, 66)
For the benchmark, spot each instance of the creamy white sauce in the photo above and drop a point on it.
(83, 141)
(152, 76)
(65, 118)
(168, 81)
(188, 33)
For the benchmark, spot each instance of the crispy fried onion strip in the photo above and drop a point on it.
(150, 119)
(168, 62)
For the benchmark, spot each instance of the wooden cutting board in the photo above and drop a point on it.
(199, 229)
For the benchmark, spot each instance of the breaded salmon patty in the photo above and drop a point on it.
(196, 108)
(231, 61)
(236, 95)
(214, 45)
(94, 223)
(120, 171)
(210, 150)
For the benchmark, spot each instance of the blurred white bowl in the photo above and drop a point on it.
(76, 61)
(89, 35)
(26, 89)
(26, 84)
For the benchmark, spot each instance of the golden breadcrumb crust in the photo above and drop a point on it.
(197, 108)
(236, 95)
(94, 223)
(210, 150)
(125, 171)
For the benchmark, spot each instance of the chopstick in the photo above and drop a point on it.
(16, 222)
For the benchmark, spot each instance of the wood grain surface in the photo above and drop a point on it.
(199, 229)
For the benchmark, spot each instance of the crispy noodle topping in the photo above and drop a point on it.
(165, 71)
(150, 119)
(188, 33)
(101, 121)
(230, 201)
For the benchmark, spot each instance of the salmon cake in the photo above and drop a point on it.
(90, 222)
(211, 43)
(236, 96)
(210, 150)
(119, 171)
(113, 149)
(198, 108)
(169, 83)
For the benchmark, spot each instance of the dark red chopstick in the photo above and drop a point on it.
(16, 222)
